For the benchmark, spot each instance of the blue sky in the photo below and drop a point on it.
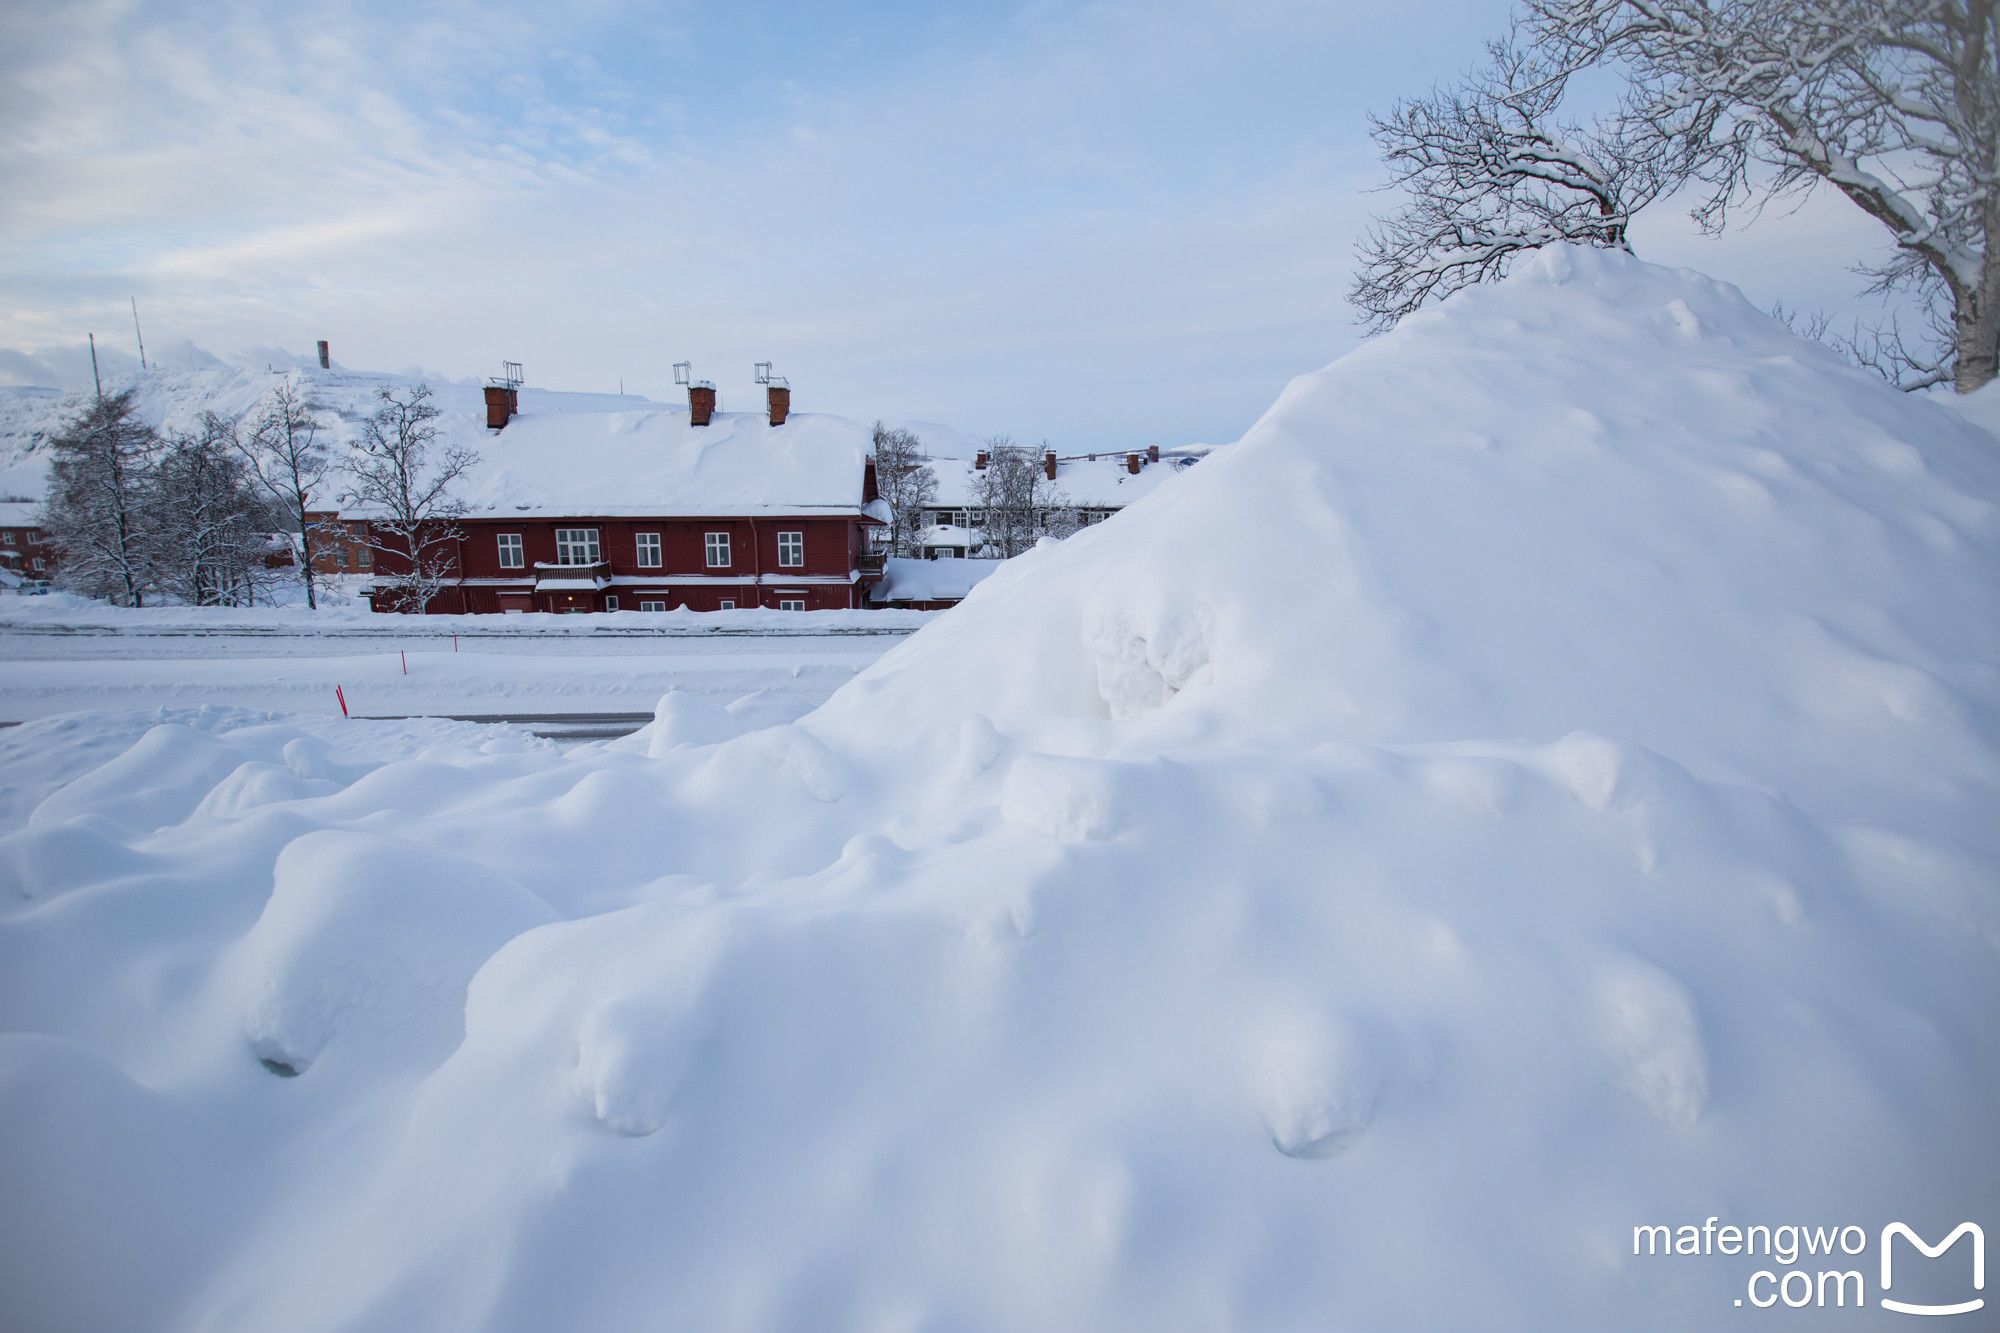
(1099, 224)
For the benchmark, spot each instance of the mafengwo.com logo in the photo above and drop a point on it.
(1828, 1268)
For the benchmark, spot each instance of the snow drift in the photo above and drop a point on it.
(1540, 783)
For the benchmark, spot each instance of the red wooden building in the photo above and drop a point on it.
(647, 511)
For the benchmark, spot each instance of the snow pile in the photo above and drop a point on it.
(1539, 783)
(906, 579)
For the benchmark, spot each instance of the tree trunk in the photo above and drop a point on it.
(1977, 317)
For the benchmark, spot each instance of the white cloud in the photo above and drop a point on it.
(1102, 222)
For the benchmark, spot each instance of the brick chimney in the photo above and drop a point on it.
(701, 403)
(325, 358)
(980, 462)
(501, 402)
(779, 399)
(1049, 464)
(1152, 453)
(1132, 464)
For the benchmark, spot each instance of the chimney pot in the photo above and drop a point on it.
(1049, 464)
(779, 398)
(1132, 464)
(701, 404)
(325, 359)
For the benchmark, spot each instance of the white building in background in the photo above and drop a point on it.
(1094, 485)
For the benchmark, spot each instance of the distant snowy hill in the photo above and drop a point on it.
(1538, 784)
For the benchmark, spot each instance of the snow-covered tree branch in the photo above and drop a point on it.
(1894, 103)
(402, 484)
(290, 463)
(1489, 171)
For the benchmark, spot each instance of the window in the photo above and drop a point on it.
(361, 557)
(6, 538)
(610, 602)
(791, 550)
(510, 550)
(576, 546)
(645, 605)
(786, 604)
(343, 557)
(718, 552)
(649, 550)
(726, 604)
(41, 563)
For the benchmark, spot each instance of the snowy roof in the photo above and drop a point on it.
(19, 514)
(653, 462)
(909, 580)
(1103, 482)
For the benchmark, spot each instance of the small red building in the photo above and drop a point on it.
(25, 550)
(645, 511)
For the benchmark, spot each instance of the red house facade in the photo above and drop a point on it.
(592, 512)
(798, 563)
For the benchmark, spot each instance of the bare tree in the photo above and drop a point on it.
(1490, 171)
(96, 510)
(1893, 103)
(906, 483)
(209, 529)
(1016, 497)
(289, 462)
(402, 485)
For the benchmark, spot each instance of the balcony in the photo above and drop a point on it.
(870, 562)
(572, 578)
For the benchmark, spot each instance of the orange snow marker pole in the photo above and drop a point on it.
(454, 638)
(406, 661)
(343, 700)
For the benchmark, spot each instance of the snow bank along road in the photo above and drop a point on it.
(1586, 824)
(404, 667)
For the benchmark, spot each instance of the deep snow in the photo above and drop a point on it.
(1540, 783)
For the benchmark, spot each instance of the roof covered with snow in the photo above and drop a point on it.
(653, 462)
(910, 580)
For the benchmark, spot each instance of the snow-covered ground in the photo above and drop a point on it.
(1539, 783)
(60, 654)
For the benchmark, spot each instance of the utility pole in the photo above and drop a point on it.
(95, 377)
(135, 329)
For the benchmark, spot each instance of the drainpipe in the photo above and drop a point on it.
(757, 562)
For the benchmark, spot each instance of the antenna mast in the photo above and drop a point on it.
(96, 379)
(142, 336)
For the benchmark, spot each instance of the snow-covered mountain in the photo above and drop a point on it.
(1538, 784)
(174, 400)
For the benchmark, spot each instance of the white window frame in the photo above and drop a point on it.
(363, 557)
(792, 550)
(649, 604)
(512, 551)
(610, 601)
(726, 604)
(714, 543)
(791, 604)
(568, 540)
(648, 547)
